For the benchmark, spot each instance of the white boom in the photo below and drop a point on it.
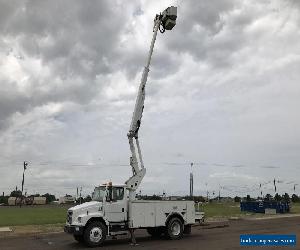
(163, 21)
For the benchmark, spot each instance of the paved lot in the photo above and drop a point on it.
(213, 236)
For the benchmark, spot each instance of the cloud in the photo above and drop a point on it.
(232, 175)
(64, 51)
(271, 167)
(222, 89)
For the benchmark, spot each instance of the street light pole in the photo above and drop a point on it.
(191, 181)
(25, 167)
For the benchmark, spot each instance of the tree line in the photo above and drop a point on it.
(49, 197)
(277, 197)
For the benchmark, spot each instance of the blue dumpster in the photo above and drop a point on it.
(260, 206)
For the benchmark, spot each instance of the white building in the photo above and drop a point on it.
(66, 200)
(39, 201)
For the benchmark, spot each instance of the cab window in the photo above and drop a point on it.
(118, 193)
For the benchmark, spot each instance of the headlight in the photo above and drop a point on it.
(79, 219)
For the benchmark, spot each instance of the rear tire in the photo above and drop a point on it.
(95, 234)
(174, 229)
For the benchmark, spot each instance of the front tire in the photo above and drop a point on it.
(95, 234)
(174, 229)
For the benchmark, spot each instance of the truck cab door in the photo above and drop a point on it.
(116, 206)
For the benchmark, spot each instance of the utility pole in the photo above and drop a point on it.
(260, 191)
(206, 192)
(295, 187)
(220, 187)
(77, 195)
(25, 167)
(191, 181)
(80, 195)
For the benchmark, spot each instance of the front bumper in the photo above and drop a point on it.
(75, 230)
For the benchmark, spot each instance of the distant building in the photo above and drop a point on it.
(12, 201)
(175, 198)
(39, 201)
(66, 200)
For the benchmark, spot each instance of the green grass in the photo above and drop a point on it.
(41, 215)
(295, 208)
(222, 209)
(37, 215)
(232, 209)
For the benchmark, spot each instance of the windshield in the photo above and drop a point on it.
(98, 194)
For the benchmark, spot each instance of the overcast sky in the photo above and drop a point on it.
(223, 92)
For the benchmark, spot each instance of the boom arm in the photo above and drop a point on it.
(167, 21)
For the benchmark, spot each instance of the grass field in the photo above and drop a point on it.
(37, 215)
(221, 209)
(41, 215)
(295, 208)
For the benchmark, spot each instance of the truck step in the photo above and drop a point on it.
(118, 233)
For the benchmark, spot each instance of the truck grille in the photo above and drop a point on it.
(69, 217)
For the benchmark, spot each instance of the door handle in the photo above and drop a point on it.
(123, 209)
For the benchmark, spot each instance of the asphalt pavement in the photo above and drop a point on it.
(221, 235)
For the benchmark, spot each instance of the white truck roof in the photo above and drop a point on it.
(113, 184)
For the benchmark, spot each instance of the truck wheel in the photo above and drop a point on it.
(155, 232)
(174, 229)
(79, 238)
(94, 234)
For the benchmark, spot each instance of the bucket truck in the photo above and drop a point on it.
(115, 209)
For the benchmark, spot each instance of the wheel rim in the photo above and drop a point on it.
(96, 234)
(175, 228)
